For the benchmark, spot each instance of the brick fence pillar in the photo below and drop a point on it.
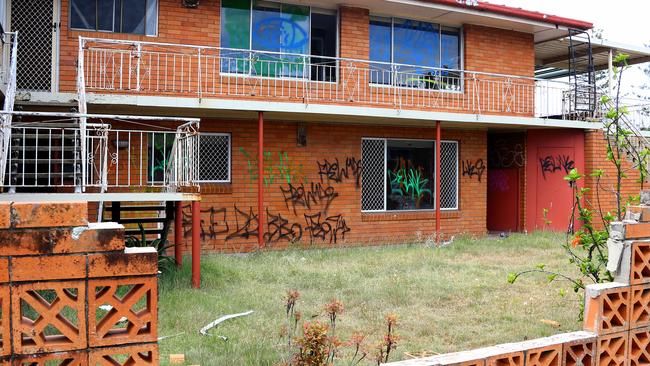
(70, 292)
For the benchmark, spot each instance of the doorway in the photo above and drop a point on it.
(506, 164)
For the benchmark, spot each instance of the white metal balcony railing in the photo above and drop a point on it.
(42, 156)
(171, 69)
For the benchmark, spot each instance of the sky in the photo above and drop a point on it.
(624, 21)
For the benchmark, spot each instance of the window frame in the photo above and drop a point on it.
(229, 135)
(457, 175)
(461, 55)
(250, 50)
(154, 33)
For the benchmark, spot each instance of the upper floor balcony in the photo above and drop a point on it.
(176, 70)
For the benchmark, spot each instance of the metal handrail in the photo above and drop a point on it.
(10, 97)
(159, 68)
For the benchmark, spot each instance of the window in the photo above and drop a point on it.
(214, 157)
(285, 34)
(120, 16)
(399, 175)
(426, 55)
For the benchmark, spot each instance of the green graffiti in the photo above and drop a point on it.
(277, 170)
(408, 182)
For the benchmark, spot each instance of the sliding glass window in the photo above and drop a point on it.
(287, 35)
(416, 54)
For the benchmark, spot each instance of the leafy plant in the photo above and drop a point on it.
(165, 262)
(586, 247)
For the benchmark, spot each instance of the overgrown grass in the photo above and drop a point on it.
(447, 299)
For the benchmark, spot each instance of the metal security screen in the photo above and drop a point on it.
(373, 179)
(449, 175)
(214, 158)
(35, 22)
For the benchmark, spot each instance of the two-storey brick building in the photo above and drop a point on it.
(369, 121)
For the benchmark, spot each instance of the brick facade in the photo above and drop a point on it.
(596, 158)
(229, 211)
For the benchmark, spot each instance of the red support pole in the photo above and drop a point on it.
(260, 179)
(178, 234)
(438, 151)
(196, 244)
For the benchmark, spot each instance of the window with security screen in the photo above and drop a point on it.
(399, 175)
(214, 158)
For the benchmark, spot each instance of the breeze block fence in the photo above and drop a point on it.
(71, 293)
(616, 322)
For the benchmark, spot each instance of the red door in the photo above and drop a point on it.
(503, 199)
(554, 195)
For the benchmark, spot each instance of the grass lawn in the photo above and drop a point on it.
(446, 299)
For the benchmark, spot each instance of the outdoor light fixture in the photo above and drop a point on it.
(190, 3)
(301, 135)
(121, 144)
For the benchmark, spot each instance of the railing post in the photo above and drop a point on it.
(81, 93)
(137, 65)
(8, 108)
(199, 77)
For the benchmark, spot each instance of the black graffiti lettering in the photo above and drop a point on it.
(332, 228)
(504, 154)
(317, 194)
(471, 169)
(551, 164)
(247, 224)
(217, 224)
(278, 229)
(335, 172)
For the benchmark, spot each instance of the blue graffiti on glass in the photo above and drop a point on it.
(276, 33)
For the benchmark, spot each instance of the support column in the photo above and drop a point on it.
(610, 72)
(438, 151)
(196, 244)
(260, 179)
(178, 234)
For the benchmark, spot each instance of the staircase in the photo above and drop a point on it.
(44, 155)
(582, 75)
(156, 218)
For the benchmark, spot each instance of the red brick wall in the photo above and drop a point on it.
(329, 142)
(355, 33)
(176, 24)
(596, 158)
(499, 51)
(486, 50)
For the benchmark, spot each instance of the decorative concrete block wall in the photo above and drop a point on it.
(71, 293)
(616, 323)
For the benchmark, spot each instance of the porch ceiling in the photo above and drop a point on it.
(455, 15)
(552, 57)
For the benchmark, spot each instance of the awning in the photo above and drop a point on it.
(552, 57)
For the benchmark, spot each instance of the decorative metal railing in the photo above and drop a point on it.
(150, 68)
(44, 156)
(9, 60)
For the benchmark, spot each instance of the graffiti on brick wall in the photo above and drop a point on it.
(277, 168)
(316, 194)
(318, 226)
(504, 154)
(473, 168)
(308, 204)
(336, 172)
(551, 164)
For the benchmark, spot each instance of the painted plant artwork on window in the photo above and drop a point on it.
(410, 175)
